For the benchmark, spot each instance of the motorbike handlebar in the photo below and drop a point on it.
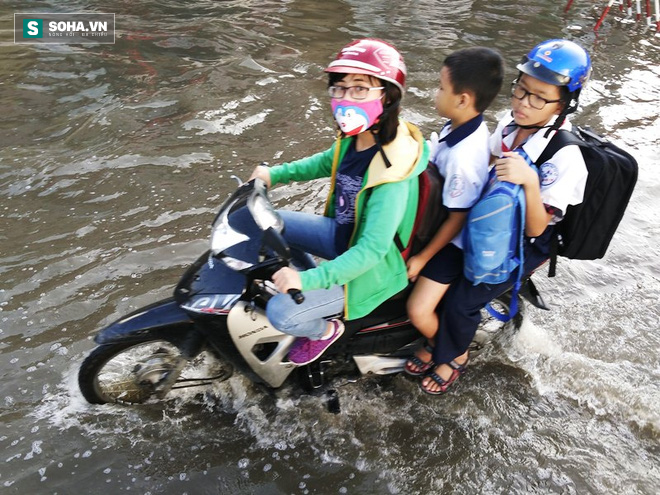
(296, 295)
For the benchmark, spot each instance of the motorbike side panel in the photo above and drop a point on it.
(157, 317)
(253, 334)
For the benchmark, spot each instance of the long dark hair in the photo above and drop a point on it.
(385, 129)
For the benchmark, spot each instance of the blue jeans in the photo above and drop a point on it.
(313, 234)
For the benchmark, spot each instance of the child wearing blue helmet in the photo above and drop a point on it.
(546, 90)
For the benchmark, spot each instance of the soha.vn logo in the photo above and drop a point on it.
(54, 27)
(33, 28)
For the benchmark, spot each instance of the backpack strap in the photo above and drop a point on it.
(399, 243)
(561, 139)
(513, 307)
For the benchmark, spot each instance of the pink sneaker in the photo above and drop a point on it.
(304, 350)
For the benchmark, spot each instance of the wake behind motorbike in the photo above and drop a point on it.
(217, 313)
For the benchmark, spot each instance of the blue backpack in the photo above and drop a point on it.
(493, 237)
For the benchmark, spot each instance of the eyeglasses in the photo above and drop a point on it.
(355, 92)
(535, 101)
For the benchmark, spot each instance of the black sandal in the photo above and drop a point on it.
(457, 370)
(422, 367)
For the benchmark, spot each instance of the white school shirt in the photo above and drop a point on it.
(462, 156)
(563, 177)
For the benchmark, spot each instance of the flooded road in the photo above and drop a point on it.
(113, 161)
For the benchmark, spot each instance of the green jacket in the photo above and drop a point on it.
(372, 270)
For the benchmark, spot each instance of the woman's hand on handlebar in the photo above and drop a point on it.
(286, 279)
(261, 172)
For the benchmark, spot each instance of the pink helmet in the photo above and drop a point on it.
(372, 57)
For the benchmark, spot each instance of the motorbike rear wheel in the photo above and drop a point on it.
(135, 372)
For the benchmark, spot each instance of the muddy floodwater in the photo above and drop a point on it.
(113, 162)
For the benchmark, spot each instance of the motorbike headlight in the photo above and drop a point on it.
(264, 214)
(236, 264)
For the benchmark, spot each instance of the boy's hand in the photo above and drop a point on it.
(261, 172)
(513, 168)
(415, 265)
(287, 278)
(433, 143)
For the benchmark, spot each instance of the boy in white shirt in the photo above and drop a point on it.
(469, 81)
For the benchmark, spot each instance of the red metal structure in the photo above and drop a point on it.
(629, 4)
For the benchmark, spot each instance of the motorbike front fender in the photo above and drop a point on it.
(163, 317)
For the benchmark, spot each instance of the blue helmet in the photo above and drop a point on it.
(558, 62)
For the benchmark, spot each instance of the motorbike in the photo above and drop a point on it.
(218, 309)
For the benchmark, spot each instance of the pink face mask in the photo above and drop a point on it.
(355, 117)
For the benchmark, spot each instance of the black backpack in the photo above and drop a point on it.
(431, 213)
(587, 229)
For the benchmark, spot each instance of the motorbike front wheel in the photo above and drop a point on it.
(134, 372)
